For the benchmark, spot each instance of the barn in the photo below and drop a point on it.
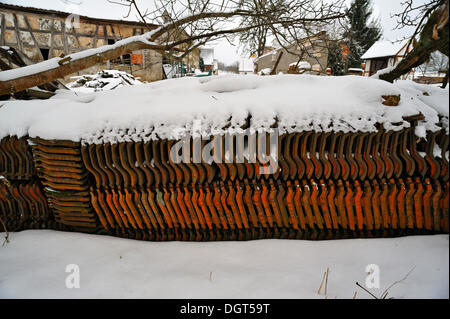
(38, 34)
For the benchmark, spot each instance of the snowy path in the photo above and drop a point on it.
(33, 265)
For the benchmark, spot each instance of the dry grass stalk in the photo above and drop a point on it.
(324, 279)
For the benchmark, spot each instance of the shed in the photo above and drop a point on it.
(383, 54)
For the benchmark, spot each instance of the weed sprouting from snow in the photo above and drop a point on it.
(386, 292)
(6, 241)
(324, 279)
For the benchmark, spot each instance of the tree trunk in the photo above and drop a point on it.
(421, 53)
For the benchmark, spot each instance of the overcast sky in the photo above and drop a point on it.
(383, 9)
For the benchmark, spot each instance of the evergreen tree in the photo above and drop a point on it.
(363, 32)
(335, 59)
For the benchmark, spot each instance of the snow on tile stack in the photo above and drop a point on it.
(348, 166)
(166, 109)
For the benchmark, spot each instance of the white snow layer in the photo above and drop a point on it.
(33, 265)
(168, 109)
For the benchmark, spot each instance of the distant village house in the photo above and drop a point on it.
(384, 54)
(316, 54)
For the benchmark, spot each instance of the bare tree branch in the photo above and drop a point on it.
(187, 24)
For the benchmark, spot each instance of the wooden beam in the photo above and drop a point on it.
(34, 39)
(80, 34)
(52, 36)
(2, 39)
(76, 37)
(64, 37)
(16, 27)
(26, 45)
(105, 34)
(115, 40)
(94, 41)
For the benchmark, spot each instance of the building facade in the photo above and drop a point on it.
(315, 53)
(384, 54)
(40, 34)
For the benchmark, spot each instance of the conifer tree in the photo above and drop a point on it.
(335, 59)
(363, 32)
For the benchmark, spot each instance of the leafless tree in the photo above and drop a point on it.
(184, 25)
(431, 22)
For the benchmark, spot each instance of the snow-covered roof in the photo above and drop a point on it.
(301, 65)
(266, 54)
(168, 109)
(98, 9)
(385, 48)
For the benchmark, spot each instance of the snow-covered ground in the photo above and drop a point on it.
(33, 265)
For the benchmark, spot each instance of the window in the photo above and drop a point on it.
(45, 53)
(126, 58)
(377, 64)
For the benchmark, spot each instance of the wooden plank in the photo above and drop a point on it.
(32, 36)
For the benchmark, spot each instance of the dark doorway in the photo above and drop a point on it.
(45, 53)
